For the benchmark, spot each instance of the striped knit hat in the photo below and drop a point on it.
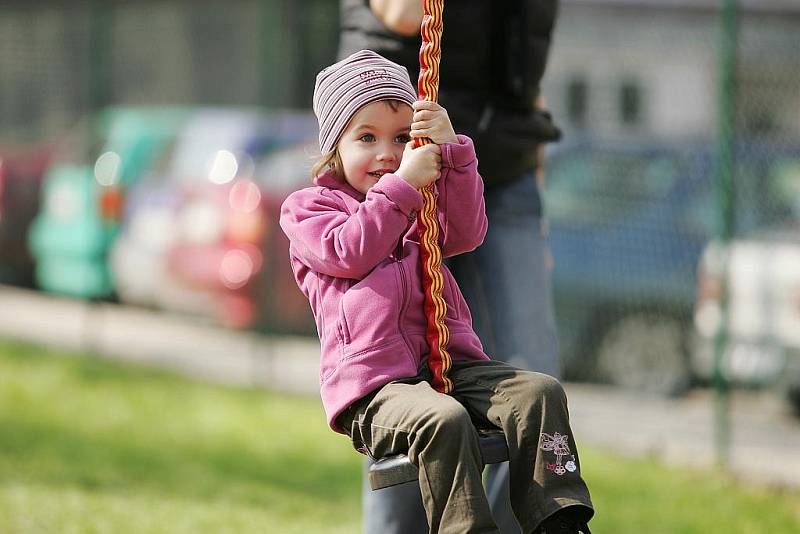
(345, 87)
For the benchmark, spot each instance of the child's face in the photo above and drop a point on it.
(373, 143)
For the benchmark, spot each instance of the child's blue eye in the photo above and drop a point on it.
(403, 138)
(367, 138)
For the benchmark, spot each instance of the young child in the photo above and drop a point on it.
(356, 256)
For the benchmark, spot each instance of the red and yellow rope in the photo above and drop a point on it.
(437, 333)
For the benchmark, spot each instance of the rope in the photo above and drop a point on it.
(437, 334)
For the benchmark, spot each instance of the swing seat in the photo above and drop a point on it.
(398, 469)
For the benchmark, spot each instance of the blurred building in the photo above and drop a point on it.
(618, 67)
(60, 60)
(649, 67)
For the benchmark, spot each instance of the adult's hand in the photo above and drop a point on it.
(400, 16)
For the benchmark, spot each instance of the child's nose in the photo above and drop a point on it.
(386, 154)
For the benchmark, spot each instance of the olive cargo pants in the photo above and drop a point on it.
(438, 434)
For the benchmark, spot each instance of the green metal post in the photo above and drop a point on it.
(269, 37)
(724, 184)
(278, 66)
(99, 55)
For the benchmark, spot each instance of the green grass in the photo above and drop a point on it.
(88, 445)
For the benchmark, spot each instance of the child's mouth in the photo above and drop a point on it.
(379, 172)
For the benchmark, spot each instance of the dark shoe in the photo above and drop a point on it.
(563, 522)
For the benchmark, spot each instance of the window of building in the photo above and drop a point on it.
(577, 100)
(630, 103)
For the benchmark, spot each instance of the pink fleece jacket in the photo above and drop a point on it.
(356, 258)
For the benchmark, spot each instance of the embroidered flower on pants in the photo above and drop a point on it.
(559, 444)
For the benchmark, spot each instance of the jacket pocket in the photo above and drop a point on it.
(389, 357)
(369, 311)
(343, 329)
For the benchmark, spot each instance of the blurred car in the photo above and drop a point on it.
(762, 341)
(281, 307)
(21, 175)
(627, 227)
(151, 225)
(83, 196)
(193, 237)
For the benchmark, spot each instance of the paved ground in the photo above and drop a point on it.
(765, 440)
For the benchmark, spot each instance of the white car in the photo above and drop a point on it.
(763, 321)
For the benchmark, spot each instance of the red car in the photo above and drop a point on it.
(21, 174)
(219, 254)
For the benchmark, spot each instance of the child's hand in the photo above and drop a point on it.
(431, 120)
(420, 166)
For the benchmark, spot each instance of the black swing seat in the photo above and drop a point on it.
(398, 469)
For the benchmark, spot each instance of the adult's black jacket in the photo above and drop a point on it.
(494, 55)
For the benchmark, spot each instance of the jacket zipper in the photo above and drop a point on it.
(405, 297)
(398, 250)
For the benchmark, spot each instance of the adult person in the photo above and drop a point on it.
(493, 58)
